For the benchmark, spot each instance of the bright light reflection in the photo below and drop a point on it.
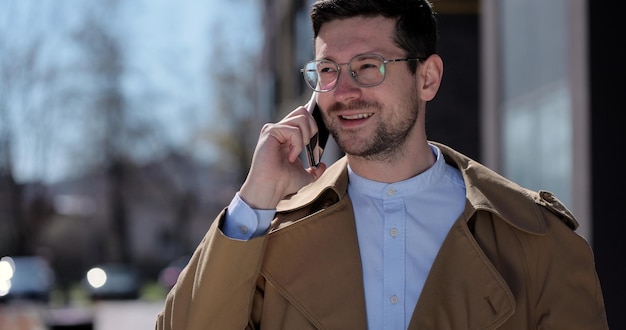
(96, 277)
(6, 269)
(5, 287)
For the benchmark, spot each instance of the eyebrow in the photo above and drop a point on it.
(371, 52)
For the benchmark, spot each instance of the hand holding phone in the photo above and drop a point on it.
(272, 177)
(316, 146)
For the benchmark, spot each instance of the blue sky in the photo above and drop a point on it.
(169, 46)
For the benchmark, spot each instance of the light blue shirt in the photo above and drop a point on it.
(401, 227)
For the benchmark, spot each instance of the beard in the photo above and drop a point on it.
(388, 141)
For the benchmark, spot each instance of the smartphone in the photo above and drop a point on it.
(315, 148)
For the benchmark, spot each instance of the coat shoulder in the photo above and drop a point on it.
(523, 208)
(556, 207)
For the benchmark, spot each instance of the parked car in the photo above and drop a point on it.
(26, 278)
(169, 275)
(113, 282)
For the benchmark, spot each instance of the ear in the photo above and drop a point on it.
(430, 73)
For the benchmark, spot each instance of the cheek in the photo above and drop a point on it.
(401, 77)
(401, 90)
(324, 100)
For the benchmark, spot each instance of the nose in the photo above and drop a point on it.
(346, 87)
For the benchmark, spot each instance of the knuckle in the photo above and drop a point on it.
(266, 128)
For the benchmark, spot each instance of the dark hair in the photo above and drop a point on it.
(416, 25)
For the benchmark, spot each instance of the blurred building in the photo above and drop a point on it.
(168, 206)
(529, 90)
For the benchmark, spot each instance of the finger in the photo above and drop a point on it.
(289, 136)
(317, 172)
(301, 118)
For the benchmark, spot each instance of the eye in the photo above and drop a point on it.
(370, 65)
(326, 67)
(367, 64)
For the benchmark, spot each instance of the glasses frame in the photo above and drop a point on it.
(353, 74)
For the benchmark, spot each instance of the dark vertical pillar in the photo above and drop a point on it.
(452, 117)
(608, 164)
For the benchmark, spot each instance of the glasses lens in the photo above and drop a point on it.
(321, 76)
(368, 70)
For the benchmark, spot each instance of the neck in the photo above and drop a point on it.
(413, 160)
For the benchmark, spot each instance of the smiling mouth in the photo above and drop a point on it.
(358, 116)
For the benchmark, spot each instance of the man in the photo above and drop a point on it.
(401, 232)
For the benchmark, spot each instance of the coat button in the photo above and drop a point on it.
(547, 196)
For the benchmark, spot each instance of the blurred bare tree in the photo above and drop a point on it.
(64, 89)
(101, 44)
(119, 135)
(234, 70)
(23, 79)
(45, 99)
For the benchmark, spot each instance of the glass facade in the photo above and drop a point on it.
(536, 107)
(535, 101)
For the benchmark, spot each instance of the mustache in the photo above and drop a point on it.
(358, 104)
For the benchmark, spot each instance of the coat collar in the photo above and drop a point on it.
(335, 177)
(485, 190)
(463, 287)
(489, 191)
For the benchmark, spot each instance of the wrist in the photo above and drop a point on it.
(259, 196)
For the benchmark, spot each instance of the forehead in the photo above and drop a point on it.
(358, 35)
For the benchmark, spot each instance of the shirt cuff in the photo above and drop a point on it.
(243, 222)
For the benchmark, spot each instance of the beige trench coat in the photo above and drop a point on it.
(511, 261)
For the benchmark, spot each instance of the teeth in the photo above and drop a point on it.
(359, 116)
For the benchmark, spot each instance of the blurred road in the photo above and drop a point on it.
(106, 315)
(126, 315)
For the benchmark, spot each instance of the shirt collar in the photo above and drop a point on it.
(410, 186)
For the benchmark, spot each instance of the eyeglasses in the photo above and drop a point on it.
(367, 70)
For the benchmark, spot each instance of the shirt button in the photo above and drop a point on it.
(391, 191)
(243, 229)
(394, 299)
(393, 232)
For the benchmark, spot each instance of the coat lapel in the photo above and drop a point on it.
(315, 263)
(463, 289)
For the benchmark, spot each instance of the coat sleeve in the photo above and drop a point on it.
(217, 287)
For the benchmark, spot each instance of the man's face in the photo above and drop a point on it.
(373, 122)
